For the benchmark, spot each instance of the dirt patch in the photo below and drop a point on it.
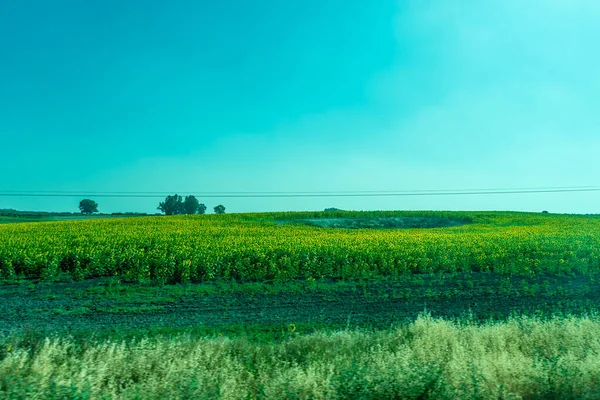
(106, 305)
(381, 222)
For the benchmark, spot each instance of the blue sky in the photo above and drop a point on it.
(198, 96)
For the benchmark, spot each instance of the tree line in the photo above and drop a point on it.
(173, 205)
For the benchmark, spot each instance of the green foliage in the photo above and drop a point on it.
(190, 205)
(87, 206)
(173, 205)
(220, 209)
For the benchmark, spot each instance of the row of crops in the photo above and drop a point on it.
(276, 246)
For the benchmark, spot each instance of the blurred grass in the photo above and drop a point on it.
(523, 357)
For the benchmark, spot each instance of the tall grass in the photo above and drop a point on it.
(429, 358)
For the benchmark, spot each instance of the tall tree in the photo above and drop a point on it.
(87, 206)
(201, 208)
(190, 205)
(172, 205)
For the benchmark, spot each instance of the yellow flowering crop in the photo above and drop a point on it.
(263, 247)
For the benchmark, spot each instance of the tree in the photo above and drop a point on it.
(201, 208)
(190, 205)
(87, 206)
(220, 209)
(172, 205)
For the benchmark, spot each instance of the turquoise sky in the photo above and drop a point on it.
(199, 96)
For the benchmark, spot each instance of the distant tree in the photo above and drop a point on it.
(172, 205)
(201, 208)
(332, 209)
(87, 206)
(190, 205)
(220, 209)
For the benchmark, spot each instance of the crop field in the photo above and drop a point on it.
(302, 305)
(281, 247)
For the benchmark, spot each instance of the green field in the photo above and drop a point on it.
(302, 305)
(285, 246)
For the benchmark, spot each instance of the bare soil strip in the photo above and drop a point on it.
(108, 304)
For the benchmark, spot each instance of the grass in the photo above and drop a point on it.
(428, 358)
(110, 303)
(369, 303)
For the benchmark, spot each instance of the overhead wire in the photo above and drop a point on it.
(283, 194)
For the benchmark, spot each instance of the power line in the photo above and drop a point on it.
(336, 192)
(463, 192)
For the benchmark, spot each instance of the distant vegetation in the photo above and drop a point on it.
(87, 206)
(17, 216)
(9, 212)
(374, 222)
(177, 205)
